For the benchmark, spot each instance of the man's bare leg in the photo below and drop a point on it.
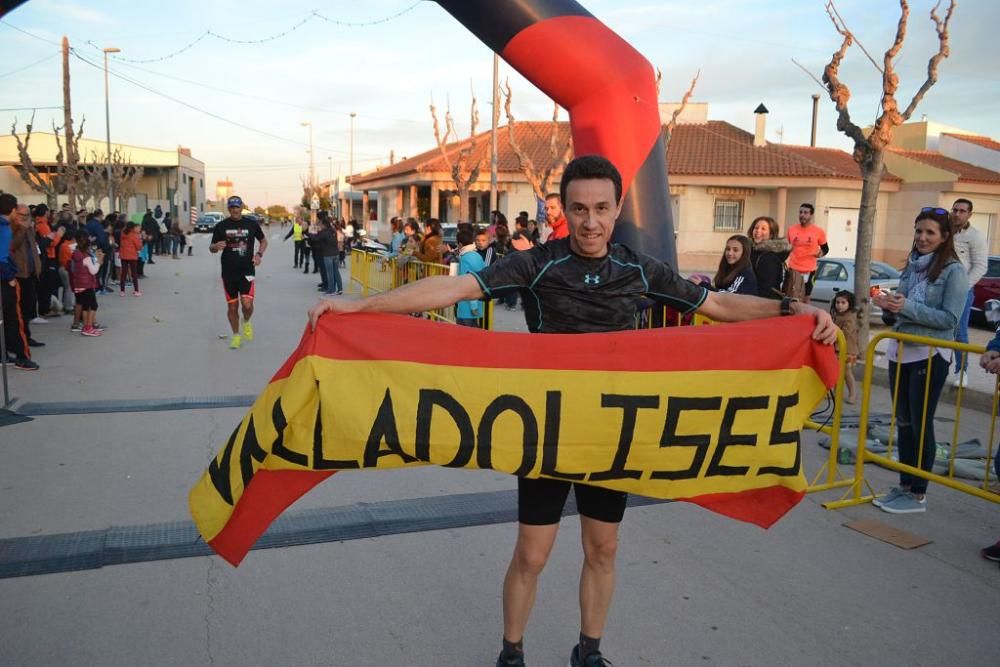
(534, 544)
(597, 580)
(247, 311)
(233, 313)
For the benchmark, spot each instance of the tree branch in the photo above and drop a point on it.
(840, 18)
(523, 159)
(840, 93)
(944, 50)
(684, 102)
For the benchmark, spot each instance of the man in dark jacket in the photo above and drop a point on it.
(15, 338)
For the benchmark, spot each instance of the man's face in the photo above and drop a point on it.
(553, 209)
(591, 212)
(235, 212)
(805, 216)
(960, 214)
(20, 215)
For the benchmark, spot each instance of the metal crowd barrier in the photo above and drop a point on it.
(373, 273)
(854, 495)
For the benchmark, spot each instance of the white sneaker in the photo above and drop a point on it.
(961, 380)
(38, 320)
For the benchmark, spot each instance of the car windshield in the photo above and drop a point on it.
(993, 268)
(883, 271)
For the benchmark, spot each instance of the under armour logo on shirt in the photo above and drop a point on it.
(591, 279)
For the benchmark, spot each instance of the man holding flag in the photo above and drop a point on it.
(581, 284)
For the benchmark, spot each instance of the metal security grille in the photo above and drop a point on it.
(728, 215)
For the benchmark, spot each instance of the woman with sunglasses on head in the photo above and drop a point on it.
(928, 303)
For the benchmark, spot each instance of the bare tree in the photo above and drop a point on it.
(869, 148)
(93, 181)
(53, 181)
(559, 150)
(124, 177)
(672, 123)
(464, 172)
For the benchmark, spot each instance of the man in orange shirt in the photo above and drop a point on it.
(808, 244)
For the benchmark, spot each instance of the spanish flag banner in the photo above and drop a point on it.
(709, 415)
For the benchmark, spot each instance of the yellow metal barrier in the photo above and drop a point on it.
(373, 274)
(834, 477)
(864, 456)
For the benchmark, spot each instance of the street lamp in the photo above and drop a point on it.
(351, 168)
(312, 161)
(107, 121)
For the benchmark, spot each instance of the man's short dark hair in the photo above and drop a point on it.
(465, 236)
(964, 201)
(591, 167)
(41, 210)
(812, 209)
(8, 203)
(482, 231)
(553, 195)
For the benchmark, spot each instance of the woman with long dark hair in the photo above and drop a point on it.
(735, 275)
(929, 301)
(768, 253)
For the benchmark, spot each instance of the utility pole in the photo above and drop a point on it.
(494, 195)
(71, 158)
(107, 121)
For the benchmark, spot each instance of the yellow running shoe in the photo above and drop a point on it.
(235, 343)
(248, 331)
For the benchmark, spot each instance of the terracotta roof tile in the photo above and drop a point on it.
(985, 142)
(964, 170)
(713, 149)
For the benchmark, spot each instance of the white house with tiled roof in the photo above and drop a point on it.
(939, 164)
(721, 177)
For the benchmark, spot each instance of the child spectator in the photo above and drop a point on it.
(845, 316)
(735, 274)
(469, 313)
(128, 250)
(83, 276)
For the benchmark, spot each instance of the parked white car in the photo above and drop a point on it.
(835, 274)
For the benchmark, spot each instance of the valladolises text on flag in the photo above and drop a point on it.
(709, 415)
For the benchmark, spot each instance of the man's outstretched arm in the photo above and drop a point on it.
(416, 297)
(724, 307)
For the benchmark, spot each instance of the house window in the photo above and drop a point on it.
(728, 215)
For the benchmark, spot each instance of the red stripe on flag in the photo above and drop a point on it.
(269, 493)
(762, 507)
(759, 345)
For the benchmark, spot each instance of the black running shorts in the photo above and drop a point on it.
(87, 299)
(540, 501)
(237, 285)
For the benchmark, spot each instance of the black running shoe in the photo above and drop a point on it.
(517, 661)
(594, 659)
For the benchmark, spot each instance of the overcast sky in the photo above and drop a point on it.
(388, 72)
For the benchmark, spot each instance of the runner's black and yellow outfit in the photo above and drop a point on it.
(237, 257)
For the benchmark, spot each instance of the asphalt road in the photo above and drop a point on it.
(694, 588)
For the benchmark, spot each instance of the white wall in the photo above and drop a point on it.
(971, 153)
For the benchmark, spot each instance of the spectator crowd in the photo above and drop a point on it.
(55, 264)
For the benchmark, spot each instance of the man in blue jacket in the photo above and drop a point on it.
(15, 338)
